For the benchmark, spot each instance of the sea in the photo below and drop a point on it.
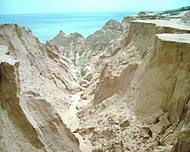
(47, 26)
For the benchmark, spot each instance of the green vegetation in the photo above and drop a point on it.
(176, 11)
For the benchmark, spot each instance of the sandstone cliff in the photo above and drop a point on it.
(145, 88)
(34, 89)
(84, 52)
(124, 88)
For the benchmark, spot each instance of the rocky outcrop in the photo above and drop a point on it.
(53, 52)
(99, 40)
(134, 39)
(144, 42)
(112, 82)
(134, 94)
(136, 46)
(164, 85)
(141, 16)
(82, 52)
(183, 143)
(152, 83)
(33, 95)
(14, 123)
(71, 46)
(91, 46)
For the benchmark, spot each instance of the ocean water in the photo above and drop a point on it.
(47, 26)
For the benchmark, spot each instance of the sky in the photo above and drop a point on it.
(60, 6)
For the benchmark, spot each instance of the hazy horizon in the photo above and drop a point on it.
(46, 17)
(69, 6)
(57, 13)
(47, 26)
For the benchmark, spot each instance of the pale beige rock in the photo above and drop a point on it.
(151, 90)
(31, 93)
(52, 52)
(134, 93)
(112, 82)
(99, 40)
(16, 132)
(183, 141)
(71, 46)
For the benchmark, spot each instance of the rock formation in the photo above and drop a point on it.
(80, 50)
(72, 46)
(145, 86)
(99, 40)
(32, 89)
(124, 88)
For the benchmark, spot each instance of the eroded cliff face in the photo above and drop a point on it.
(71, 46)
(33, 95)
(124, 88)
(84, 53)
(145, 88)
(100, 39)
(15, 127)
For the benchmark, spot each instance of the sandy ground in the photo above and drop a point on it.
(72, 121)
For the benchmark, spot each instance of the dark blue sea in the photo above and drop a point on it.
(47, 26)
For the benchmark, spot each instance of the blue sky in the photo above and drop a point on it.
(59, 6)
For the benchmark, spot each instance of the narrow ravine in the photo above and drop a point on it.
(72, 122)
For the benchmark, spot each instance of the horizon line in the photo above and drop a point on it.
(69, 12)
(74, 12)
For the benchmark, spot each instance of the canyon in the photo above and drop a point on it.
(124, 88)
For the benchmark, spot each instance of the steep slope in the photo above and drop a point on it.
(11, 110)
(71, 46)
(135, 93)
(145, 88)
(139, 91)
(32, 95)
(80, 50)
(99, 40)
